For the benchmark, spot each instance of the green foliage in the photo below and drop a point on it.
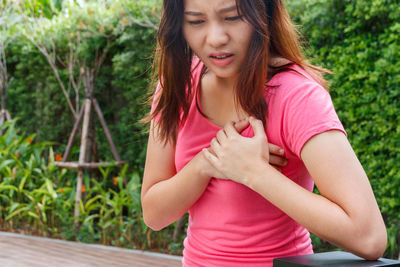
(87, 28)
(38, 197)
(39, 8)
(358, 40)
(26, 186)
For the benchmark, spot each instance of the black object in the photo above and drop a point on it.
(331, 259)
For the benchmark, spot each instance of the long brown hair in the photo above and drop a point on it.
(274, 35)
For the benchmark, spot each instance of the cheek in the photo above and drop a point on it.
(248, 33)
(246, 36)
(192, 38)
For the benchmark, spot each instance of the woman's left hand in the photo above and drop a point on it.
(237, 157)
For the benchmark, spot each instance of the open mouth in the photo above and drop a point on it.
(222, 57)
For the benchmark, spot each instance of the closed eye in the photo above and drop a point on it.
(233, 18)
(195, 22)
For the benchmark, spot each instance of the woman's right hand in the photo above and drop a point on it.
(276, 154)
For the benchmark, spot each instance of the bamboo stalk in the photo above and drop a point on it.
(8, 116)
(85, 129)
(2, 116)
(78, 196)
(87, 165)
(106, 130)
(82, 154)
(73, 134)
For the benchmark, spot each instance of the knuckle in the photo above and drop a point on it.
(273, 148)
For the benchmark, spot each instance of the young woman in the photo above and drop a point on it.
(233, 81)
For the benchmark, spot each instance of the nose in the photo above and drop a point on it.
(217, 35)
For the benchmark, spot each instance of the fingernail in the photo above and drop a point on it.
(281, 151)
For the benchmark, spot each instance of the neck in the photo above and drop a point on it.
(226, 84)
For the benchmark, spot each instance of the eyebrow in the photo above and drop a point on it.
(223, 10)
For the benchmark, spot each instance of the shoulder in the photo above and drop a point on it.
(293, 75)
(294, 82)
(300, 108)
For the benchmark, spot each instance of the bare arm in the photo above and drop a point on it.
(345, 214)
(345, 187)
(167, 195)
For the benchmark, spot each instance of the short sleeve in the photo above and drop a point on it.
(308, 111)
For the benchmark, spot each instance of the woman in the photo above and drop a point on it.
(233, 81)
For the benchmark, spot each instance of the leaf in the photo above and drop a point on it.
(6, 163)
(90, 218)
(50, 188)
(22, 182)
(32, 214)
(89, 204)
(7, 187)
(14, 213)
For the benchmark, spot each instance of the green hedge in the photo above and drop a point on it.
(359, 41)
(35, 95)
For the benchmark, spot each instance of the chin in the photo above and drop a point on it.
(224, 74)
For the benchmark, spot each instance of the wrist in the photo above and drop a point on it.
(201, 168)
(260, 175)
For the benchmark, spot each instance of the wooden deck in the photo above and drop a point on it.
(20, 250)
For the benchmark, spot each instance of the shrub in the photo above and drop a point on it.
(358, 40)
(36, 197)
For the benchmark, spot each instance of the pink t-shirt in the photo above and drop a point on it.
(231, 225)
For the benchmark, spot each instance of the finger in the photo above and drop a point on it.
(213, 160)
(278, 161)
(257, 126)
(221, 136)
(241, 125)
(210, 157)
(277, 168)
(230, 129)
(215, 146)
(214, 142)
(274, 149)
(210, 149)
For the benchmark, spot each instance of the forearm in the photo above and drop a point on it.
(168, 200)
(318, 214)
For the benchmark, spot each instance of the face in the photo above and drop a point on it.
(217, 35)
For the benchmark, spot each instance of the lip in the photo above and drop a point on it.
(221, 62)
